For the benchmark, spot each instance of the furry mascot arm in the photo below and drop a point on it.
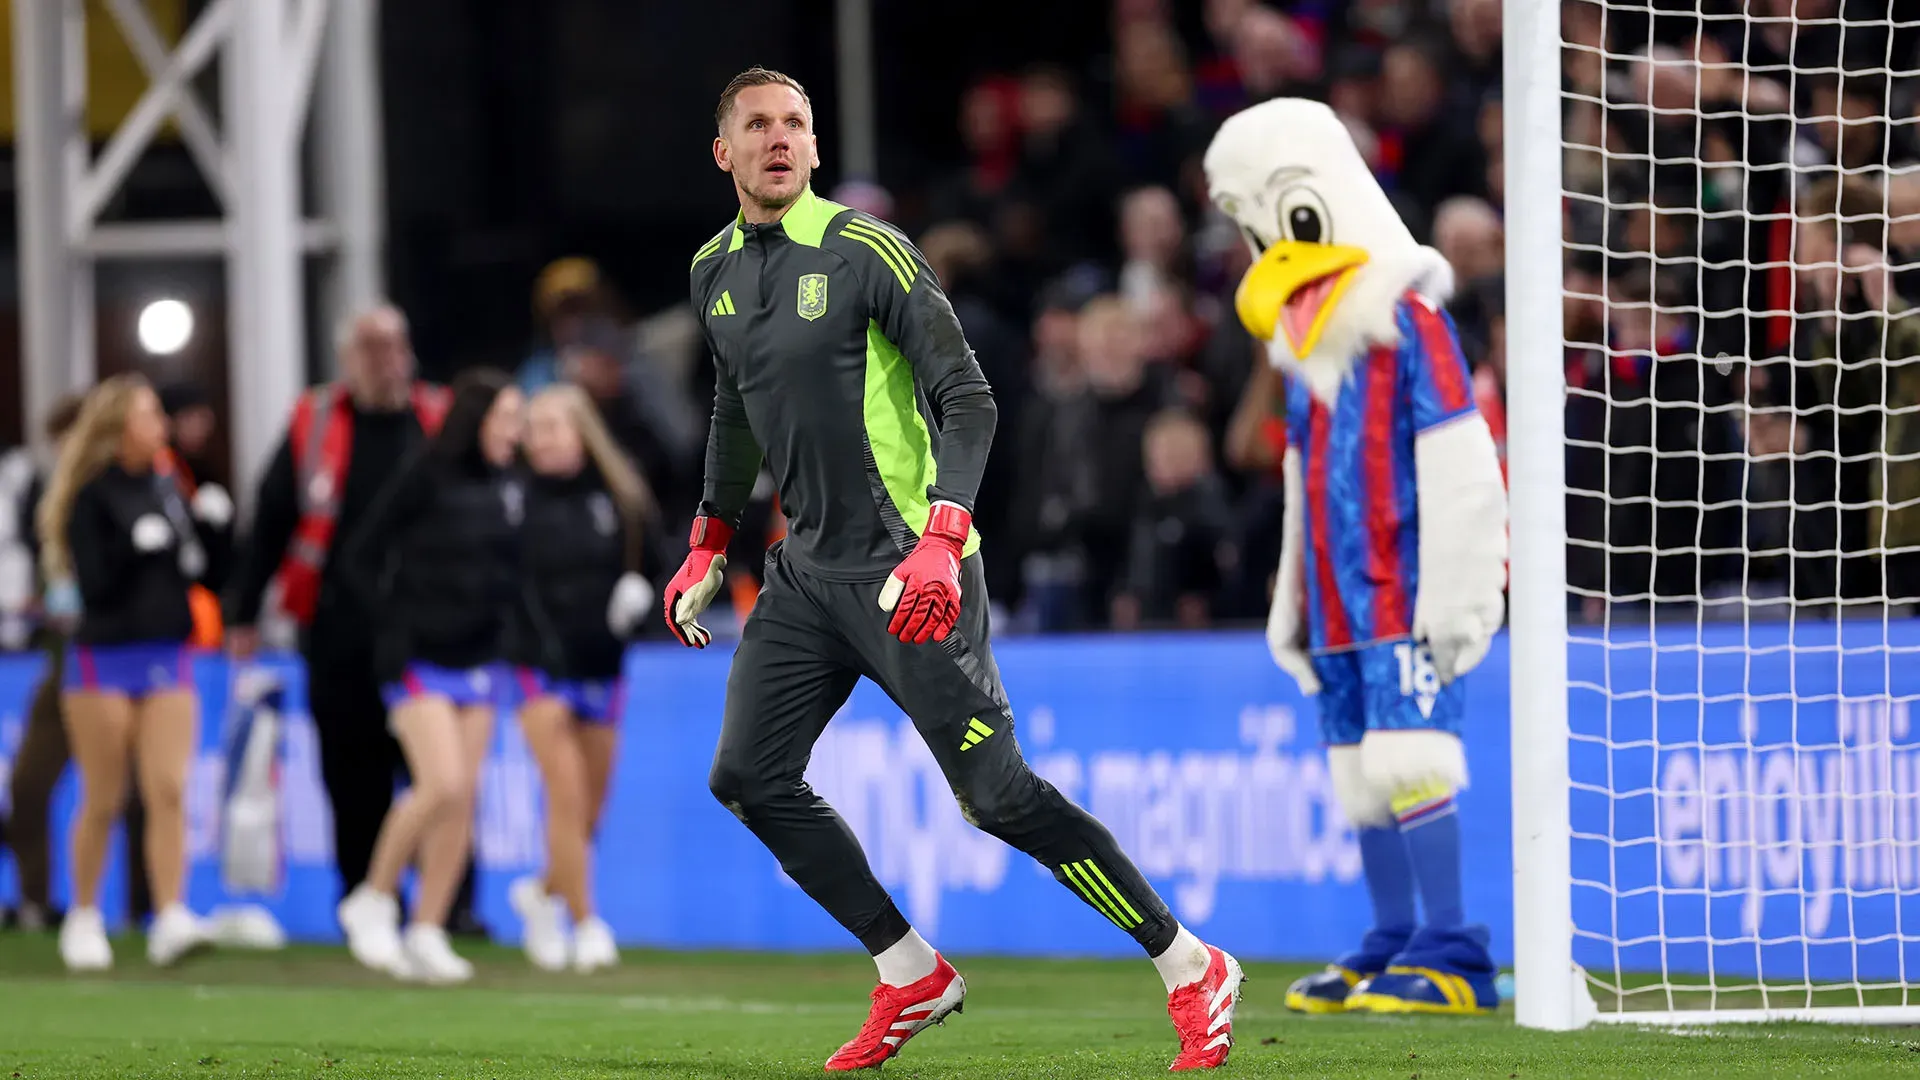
(1463, 506)
(1286, 625)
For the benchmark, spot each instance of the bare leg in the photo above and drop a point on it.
(427, 728)
(164, 739)
(443, 854)
(99, 727)
(548, 725)
(598, 744)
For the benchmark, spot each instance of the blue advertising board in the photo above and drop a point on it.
(1762, 812)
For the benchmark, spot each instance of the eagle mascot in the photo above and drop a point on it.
(1393, 560)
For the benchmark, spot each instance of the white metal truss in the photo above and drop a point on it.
(276, 56)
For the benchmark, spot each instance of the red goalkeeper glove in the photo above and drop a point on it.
(924, 590)
(698, 581)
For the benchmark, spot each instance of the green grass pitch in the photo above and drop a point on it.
(310, 1012)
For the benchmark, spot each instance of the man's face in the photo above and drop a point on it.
(768, 145)
(1150, 227)
(1409, 88)
(379, 356)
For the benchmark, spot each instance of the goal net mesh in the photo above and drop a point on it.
(1741, 267)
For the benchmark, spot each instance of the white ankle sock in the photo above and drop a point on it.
(906, 961)
(1185, 961)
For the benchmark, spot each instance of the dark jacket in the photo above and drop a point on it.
(136, 549)
(381, 441)
(577, 548)
(434, 562)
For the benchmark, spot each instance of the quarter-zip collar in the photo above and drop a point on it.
(804, 223)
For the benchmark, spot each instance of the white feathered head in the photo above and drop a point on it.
(1331, 255)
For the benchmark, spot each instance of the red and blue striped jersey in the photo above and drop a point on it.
(1362, 505)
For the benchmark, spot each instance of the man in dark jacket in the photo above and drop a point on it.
(343, 441)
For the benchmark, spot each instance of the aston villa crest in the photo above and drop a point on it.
(813, 296)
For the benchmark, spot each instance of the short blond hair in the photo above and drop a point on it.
(755, 76)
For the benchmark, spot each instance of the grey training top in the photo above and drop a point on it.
(837, 353)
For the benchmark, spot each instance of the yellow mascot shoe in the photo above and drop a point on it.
(1324, 991)
(1424, 990)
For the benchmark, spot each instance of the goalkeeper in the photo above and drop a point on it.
(1394, 535)
(833, 345)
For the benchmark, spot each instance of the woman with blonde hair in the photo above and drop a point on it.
(433, 566)
(584, 595)
(118, 527)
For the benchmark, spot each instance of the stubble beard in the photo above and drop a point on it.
(770, 202)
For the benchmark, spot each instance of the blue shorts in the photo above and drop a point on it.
(592, 701)
(1387, 687)
(462, 686)
(135, 669)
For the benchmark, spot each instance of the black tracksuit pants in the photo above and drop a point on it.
(802, 650)
(360, 760)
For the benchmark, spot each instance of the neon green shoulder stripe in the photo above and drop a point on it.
(711, 247)
(885, 242)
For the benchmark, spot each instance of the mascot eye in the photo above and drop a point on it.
(1304, 223)
(1304, 217)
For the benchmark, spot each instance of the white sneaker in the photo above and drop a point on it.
(431, 959)
(371, 921)
(543, 936)
(83, 941)
(174, 933)
(245, 926)
(593, 946)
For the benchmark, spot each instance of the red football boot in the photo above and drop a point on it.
(899, 1013)
(1202, 1013)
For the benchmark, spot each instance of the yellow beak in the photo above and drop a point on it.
(1293, 290)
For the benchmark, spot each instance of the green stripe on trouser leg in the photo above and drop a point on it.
(1083, 885)
(1120, 901)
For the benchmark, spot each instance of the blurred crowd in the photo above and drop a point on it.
(1133, 481)
(1738, 218)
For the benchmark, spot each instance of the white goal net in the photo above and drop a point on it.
(1716, 458)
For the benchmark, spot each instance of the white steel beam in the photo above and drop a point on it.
(56, 312)
(203, 142)
(349, 171)
(276, 57)
(309, 31)
(266, 359)
(205, 238)
(154, 106)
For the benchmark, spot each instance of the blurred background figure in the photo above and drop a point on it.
(567, 295)
(43, 753)
(122, 532)
(587, 583)
(1180, 550)
(343, 442)
(192, 424)
(434, 565)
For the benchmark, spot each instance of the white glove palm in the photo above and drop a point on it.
(1463, 545)
(1286, 640)
(632, 599)
(213, 505)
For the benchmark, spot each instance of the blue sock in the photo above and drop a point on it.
(1433, 849)
(1390, 877)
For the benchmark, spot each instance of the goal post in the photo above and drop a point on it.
(1546, 984)
(1713, 402)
